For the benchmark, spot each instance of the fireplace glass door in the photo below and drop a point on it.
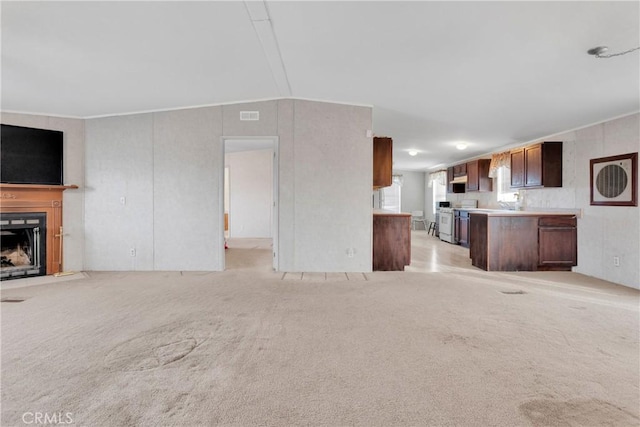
(23, 245)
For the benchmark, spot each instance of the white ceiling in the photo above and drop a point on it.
(492, 74)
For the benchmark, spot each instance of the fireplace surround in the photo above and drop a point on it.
(33, 202)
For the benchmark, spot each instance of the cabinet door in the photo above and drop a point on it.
(533, 166)
(460, 170)
(557, 246)
(472, 176)
(449, 179)
(517, 168)
(382, 162)
(552, 164)
(464, 231)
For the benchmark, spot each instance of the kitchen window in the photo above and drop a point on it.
(392, 196)
(437, 181)
(439, 194)
(506, 194)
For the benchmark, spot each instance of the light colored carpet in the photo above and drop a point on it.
(249, 254)
(253, 347)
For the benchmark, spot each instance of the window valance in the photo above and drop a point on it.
(440, 177)
(499, 160)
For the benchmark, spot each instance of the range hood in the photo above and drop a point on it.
(459, 180)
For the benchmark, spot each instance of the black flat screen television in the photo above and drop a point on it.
(30, 156)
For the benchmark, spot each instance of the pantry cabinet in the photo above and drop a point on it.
(382, 162)
(538, 165)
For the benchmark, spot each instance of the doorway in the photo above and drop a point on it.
(249, 205)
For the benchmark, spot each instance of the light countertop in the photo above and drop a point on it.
(389, 213)
(504, 212)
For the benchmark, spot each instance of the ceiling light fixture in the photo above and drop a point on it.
(413, 153)
(601, 52)
(462, 146)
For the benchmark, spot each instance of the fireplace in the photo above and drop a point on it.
(32, 233)
(23, 251)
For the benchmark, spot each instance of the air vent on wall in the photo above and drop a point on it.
(249, 115)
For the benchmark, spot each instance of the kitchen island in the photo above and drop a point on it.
(391, 240)
(523, 240)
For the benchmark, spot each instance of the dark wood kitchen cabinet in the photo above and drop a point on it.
(458, 187)
(463, 237)
(460, 170)
(538, 165)
(557, 242)
(382, 162)
(523, 241)
(391, 241)
(517, 168)
(478, 175)
(461, 227)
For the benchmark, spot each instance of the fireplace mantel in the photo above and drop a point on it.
(39, 198)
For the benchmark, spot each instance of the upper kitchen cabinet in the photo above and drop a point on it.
(459, 170)
(454, 187)
(382, 162)
(478, 175)
(538, 165)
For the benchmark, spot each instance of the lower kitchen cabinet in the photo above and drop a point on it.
(463, 238)
(523, 241)
(461, 227)
(557, 242)
(391, 241)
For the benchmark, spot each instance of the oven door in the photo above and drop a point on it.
(446, 222)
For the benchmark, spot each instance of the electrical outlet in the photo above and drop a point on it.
(616, 261)
(123, 200)
(350, 252)
(132, 251)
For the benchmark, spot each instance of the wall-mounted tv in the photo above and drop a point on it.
(30, 156)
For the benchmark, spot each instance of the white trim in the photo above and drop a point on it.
(326, 101)
(539, 139)
(162, 110)
(59, 116)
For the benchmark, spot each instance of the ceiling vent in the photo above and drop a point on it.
(249, 115)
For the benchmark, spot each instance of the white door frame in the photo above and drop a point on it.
(275, 219)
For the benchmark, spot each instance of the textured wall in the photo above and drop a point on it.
(287, 187)
(119, 164)
(186, 193)
(169, 168)
(413, 191)
(332, 196)
(73, 200)
(603, 231)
